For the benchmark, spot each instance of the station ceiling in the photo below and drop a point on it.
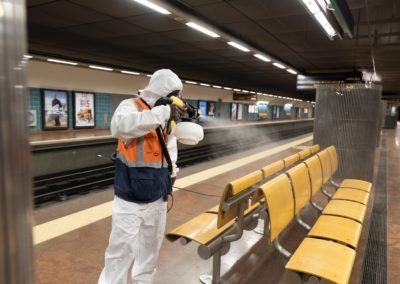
(125, 34)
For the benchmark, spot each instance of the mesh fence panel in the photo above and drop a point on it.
(349, 118)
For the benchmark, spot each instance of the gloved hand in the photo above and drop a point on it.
(163, 101)
(176, 112)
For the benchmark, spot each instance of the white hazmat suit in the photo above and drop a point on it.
(138, 228)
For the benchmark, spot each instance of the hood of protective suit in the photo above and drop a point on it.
(162, 82)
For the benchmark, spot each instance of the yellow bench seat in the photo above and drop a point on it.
(351, 194)
(324, 259)
(347, 209)
(202, 229)
(357, 184)
(336, 228)
(214, 209)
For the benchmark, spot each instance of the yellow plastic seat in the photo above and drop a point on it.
(347, 209)
(202, 229)
(232, 189)
(351, 194)
(324, 259)
(336, 228)
(214, 209)
(326, 165)
(301, 185)
(280, 204)
(273, 168)
(314, 168)
(314, 149)
(305, 153)
(357, 184)
(352, 183)
(333, 157)
(291, 160)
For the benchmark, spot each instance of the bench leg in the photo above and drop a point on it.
(302, 223)
(306, 278)
(281, 249)
(184, 241)
(205, 279)
(216, 268)
(216, 273)
(262, 224)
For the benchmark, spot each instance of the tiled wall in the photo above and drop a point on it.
(70, 111)
(103, 105)
(34, 103)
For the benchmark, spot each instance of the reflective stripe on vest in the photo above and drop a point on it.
(143, 151)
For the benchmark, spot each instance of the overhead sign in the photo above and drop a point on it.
(311, 82)
(244, 97)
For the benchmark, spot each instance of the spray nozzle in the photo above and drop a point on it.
(192, 112)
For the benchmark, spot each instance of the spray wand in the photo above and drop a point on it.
(192, 112)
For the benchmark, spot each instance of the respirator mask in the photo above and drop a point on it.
(185, 130)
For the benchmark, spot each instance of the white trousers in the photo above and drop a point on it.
(136, 236)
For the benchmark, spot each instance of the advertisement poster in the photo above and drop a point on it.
(83, 110)
(203, 109)
(240, 112)
(55, 109)
(288, 110)
(233, 111)
(210, 108)
(253, 109)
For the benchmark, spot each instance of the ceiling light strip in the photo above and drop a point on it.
(276, 64)
(100, 68)
(129, 72)
(153, 7)
(191, 82)
(62, 61)
(202, 29)
(238, 46)
(319, 16)
(262, 57)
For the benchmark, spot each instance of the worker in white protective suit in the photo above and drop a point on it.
(142, 181)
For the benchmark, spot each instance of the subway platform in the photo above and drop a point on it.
(71, 237)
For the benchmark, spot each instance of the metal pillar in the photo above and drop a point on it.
(15, 181)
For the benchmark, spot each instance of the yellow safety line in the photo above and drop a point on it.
(69, 223)
(69, 140)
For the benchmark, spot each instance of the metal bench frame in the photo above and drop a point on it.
(221, 245)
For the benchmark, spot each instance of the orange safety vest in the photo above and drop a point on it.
(141, 171)
(143, 151)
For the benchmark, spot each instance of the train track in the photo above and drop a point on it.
(62, 185)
